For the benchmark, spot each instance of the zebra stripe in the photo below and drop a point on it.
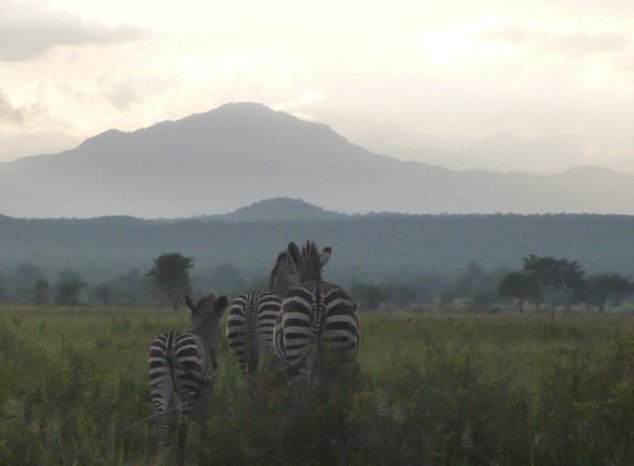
(250, 327)
(316, 317)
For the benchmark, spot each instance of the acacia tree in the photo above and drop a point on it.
(171, 274)
(557, 279)
(519, 286)
(607, 290)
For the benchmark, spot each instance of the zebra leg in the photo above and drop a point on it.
(201, 412)
(187, 395)
(161, 393)
(182, 437)
(202, 400)
(161, 427)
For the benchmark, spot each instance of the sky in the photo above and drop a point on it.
(528, 85)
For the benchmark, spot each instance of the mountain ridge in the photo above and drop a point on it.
(371, 245)
(223, 159)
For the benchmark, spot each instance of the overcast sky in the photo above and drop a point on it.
(538, 86)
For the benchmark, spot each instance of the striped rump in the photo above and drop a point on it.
(317, 317)
(250, 326)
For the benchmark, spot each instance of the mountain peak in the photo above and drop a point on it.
(250, 107)
(278, 209)
(106, 138)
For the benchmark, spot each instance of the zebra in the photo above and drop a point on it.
(182, 366)
(317, 317)
(252, 315)
(250, 327)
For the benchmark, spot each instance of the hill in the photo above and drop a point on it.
(369, 247)
(281, 209)
(221, 160)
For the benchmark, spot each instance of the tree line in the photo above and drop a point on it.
(370, 247)
(545, 283)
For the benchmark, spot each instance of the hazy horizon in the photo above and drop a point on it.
(530, 87)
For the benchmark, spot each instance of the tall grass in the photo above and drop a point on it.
(459, 389)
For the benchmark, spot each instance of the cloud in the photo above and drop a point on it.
(120, 94)
(592, 36)
(9, 113)
(30, 30)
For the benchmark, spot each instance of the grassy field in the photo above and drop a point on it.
(427, 390)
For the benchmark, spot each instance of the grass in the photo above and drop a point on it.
(430, 390)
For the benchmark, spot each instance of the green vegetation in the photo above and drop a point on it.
(369, 247)
(427, 389)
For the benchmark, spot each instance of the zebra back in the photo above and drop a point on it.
(250, 327)
(316, 317)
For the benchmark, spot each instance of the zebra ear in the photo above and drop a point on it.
(189, 303)
(220, 305)
(325, 256)
(293, 252)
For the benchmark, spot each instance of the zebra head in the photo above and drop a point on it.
(295, 266)
(206, 314)
(310, 262)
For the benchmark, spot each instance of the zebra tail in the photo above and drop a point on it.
(252, 357)
(170, 356)
(252, 343)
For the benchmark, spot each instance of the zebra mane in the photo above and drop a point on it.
(311, 265)
(294, 265)
(209, 304)
(309, 250)
(282, 273)
(205, 301)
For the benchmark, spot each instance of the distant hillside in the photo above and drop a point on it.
(368, 246)
(221, 160)
(281, 209)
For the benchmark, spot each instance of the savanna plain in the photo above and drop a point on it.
(426, 389)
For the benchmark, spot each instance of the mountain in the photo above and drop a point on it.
(281, 209)
(226, 158)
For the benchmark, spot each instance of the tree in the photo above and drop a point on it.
(68, 292)
(519, 286)
(557, 279)
(102, 293)
(23, 280)
(25, 275)
(469, 282)
(171, 274)
(369, 296)
(607, 290)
